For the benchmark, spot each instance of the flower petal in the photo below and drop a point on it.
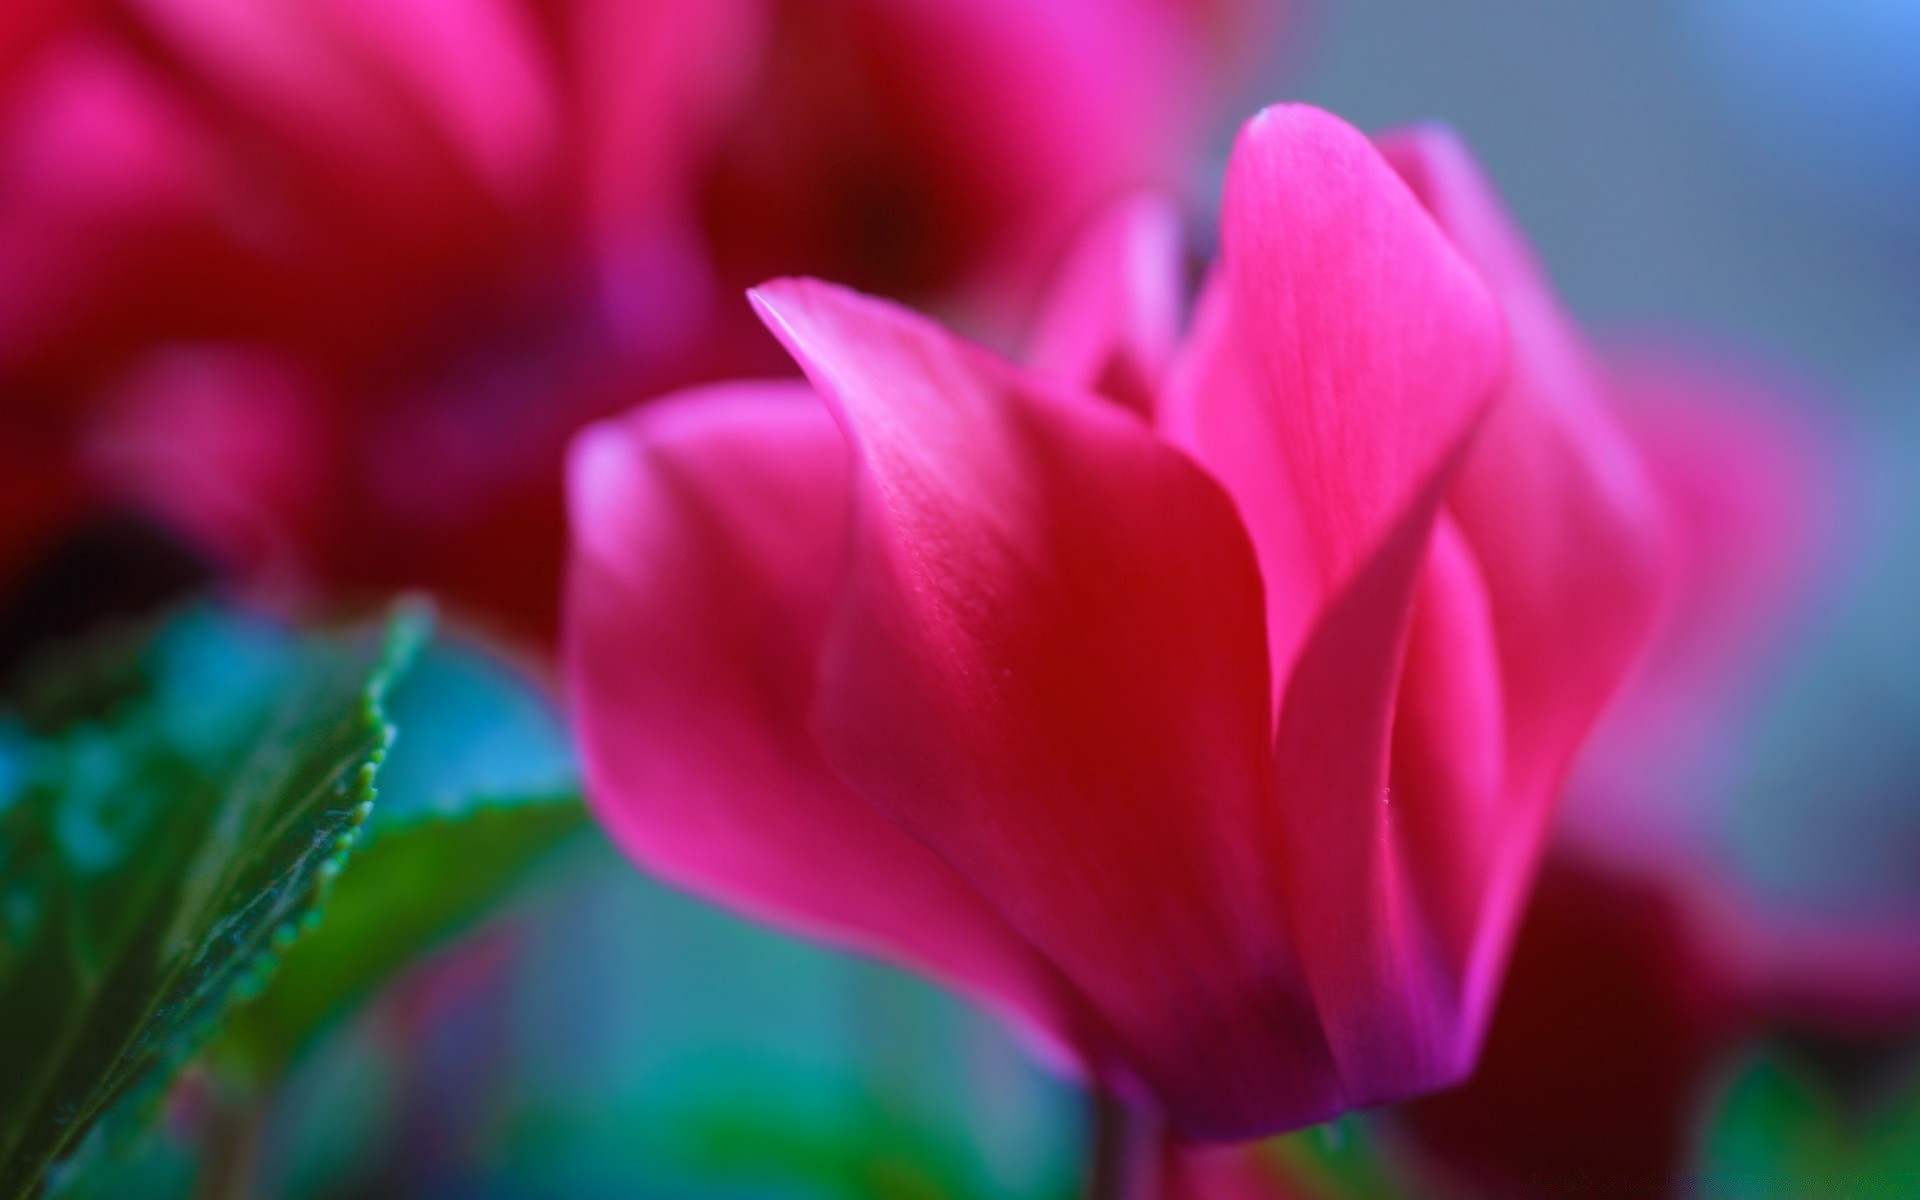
(1235, 1173)
(1613, 1020)
(386, 87)
(83, 234)
(1376, 351)
(1110, 322)
(1567, 532)
(1047, 666)
(1448, 778)
(710, 537)
(1758, 522)
(1553, 500)
(1378, 346)
(232, 447)
(654, 84)
(25, 26)
(1215, 407)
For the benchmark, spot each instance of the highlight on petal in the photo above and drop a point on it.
(1110, 322)
(1048, 667)
(709, 542)
(1378, 345)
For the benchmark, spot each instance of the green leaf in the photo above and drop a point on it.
(173, 808)
(1778, 1131)
(479, 787)
(846, 1151)
(1345, 1158)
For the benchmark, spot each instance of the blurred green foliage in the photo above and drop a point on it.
(479, 787)
(1781, 1132)
(174, 805)
(1344, 1159)
(175, 802)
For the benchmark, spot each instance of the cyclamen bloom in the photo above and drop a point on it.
(1208, 727)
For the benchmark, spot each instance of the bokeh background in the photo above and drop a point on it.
(1724, 182)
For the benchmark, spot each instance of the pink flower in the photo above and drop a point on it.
(462, 228)
(1766, 523)
(915, 150)
(1215, 745)
(1753, 485)
(1645, 962)
(333, 175)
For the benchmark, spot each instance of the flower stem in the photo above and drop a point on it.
(1125, 1151)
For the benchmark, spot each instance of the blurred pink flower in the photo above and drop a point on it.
(1615, 1016)
(1764, 516)
(1751, 483)
(1644, 963)
(1214, 743)
(464, 227)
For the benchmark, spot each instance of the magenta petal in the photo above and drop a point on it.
(230, 446)
(1378, 346)
(1048, 667)
(74, 227)
(655, 82)
(1376, 351)
(1754, 497)
(1049, 111)
(1568, 533)
(24, 27)
(476, 73)
(1552, 499)
(1110, 322)
(413, 118)
(710, 535)
(1217, 406)
(1389, 998)
(1454, 824)
(1236, 1173)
